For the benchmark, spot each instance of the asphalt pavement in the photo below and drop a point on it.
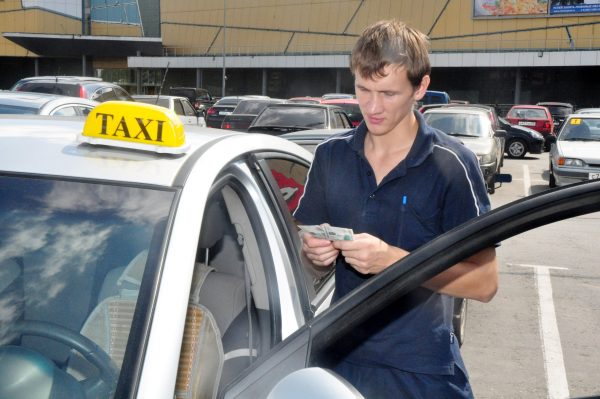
(539, 337)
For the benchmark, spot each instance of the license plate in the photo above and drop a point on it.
(225, 113)
(594, 175)
(526, 123)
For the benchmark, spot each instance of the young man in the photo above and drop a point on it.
(398, 183)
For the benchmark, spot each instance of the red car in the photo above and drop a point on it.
(535, 117)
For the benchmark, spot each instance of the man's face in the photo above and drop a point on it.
(387, 101)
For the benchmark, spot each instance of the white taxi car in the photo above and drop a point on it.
(139, 260)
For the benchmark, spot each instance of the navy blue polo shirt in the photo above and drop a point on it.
(437, 186)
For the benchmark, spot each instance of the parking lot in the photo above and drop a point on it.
(539, 336)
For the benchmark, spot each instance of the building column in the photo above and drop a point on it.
(517, 98)
(83, 65)
(199, 78)
(265, 76)
(36, 66)
(138, 77)
(338, 80)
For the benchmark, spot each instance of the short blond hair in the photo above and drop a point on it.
(391, 42)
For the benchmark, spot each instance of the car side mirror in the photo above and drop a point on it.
(500, 133)
(314, 383)
(551, 139)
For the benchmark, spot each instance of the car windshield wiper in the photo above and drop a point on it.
(580, 139)
(279, 128)
(461, 134)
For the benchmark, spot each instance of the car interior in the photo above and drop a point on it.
(229, 320)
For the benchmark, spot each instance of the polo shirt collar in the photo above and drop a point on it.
(420, 150)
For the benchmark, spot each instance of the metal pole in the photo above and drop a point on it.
(224, 78)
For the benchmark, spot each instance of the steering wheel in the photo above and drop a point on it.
(101, 385)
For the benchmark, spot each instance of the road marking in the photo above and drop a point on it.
(526, 181)
(556, 375)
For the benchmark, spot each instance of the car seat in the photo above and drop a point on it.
(221, 285)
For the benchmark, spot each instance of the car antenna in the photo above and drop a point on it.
(163, 82)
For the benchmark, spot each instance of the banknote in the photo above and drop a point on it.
(329, 232)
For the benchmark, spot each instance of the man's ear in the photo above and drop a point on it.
(422, 88)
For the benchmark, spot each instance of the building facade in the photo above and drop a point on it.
(486, 51)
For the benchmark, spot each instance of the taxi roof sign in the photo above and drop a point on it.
(134, 125)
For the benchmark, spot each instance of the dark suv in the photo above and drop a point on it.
(75, 86)
(199, 98)
(559, 112)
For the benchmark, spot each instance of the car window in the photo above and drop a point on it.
(188, 109)
(313, 118)
(178, 108)
(341, 120)
(74, 257)
(12, 109)
(104, 94)
(64, 89)
(68, 110)
(529, 113)
(290, 178)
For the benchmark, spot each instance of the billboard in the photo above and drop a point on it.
(574, 6)
(508, 8)
(502, 8)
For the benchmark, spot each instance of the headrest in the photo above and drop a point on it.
(213, 224)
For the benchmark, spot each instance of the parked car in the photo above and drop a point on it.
(12, 102)
(575, 154)
(350, 106)
(180, 105)
(535, 117)
(474, 129)
(277, 119)
(245, 112)
(223, 107)
(494, 119)
(75, 86)
(521, 140)
(559, 112)
(201, 99)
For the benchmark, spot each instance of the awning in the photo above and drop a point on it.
(78, 45)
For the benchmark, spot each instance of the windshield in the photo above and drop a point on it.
(465, 125)
(162, 102)
(305, 117)
(528, 113)
(581, 130)
(250, 107)
(16, 109)
(72, 257)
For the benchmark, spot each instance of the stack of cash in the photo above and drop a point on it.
(329, 232)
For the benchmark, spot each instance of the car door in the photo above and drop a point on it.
(318, 343)
(249, 244)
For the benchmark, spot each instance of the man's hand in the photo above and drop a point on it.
(368, 254)
(320, 251)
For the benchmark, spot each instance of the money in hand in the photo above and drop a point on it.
(329, 232)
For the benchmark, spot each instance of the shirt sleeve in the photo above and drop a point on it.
(312, 208)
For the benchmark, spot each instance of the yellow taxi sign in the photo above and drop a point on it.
(576, 121)
(134, 125)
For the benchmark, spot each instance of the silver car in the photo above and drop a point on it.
(575, 155)
(474, 129)
(44, 104)
(180, 105)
